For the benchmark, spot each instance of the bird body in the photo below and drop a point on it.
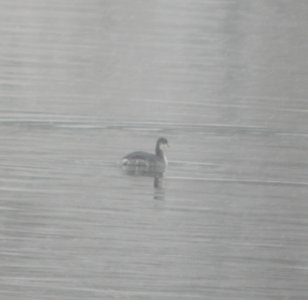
(141, 159)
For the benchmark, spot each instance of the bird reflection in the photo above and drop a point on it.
(159, 191)
(158, 179)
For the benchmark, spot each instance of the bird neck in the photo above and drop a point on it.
(158, 151)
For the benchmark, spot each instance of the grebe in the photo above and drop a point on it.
(148, 160)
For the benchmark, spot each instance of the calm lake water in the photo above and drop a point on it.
(85, 82)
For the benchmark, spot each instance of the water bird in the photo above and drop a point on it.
(149, 161)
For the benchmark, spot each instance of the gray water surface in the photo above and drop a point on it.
(82, 83)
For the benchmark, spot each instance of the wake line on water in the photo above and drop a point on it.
(193, 163)
(241, 181)
(85, 122)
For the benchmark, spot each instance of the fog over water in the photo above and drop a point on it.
(82, 83)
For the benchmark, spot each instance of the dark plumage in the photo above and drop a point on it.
(148, 160)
